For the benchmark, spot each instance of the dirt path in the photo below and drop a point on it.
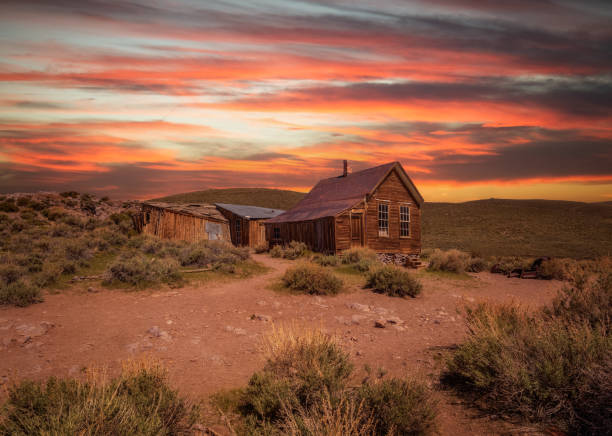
(208, 341)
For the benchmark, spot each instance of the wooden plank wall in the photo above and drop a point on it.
(393, 190)
(257, 232)
(318, 234)
(170, 225)
(343, 231)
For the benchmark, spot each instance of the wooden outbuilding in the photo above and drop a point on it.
(246, 223)
(379, 208)
(188, 222)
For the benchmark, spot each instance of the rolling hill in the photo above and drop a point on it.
(487, 227)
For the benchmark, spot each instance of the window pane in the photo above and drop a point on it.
(383, 219)
(404, 220)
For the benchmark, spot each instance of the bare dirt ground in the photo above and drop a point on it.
(206, 338)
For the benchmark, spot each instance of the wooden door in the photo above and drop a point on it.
(356, 230)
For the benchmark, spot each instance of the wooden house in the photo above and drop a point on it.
(379, 208)
(246, 223)
(188, 222)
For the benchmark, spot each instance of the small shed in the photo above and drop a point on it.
(246, 223)
(378, 208)
(187, 222)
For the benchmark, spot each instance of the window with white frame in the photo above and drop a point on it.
(238, 231)
(383, 219)
(404, 221)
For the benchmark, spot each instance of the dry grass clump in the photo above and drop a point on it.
(393, 281)
(262, 248)
(451, 261)
(360, 259)
(293, 251)
(544, 366)
(215, 254)
(398, 406)
(139, 401)
(330, 260)
(304, 389)
(312, 279)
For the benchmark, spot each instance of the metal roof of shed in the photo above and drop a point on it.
(252, 212)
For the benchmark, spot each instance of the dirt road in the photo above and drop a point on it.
(208, 340)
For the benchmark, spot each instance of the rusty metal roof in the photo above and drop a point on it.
(201, 210)
(251, 212)
(332, 196)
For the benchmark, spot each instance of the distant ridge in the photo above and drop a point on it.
(262, 197)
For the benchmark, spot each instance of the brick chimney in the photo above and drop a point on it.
(345, 172)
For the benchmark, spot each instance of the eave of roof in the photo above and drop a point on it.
(207, 211)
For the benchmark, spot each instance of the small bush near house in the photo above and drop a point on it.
(451, 261)
(477, 264)
(138, 270)
(276, 251)
(402, 407)
(294, 250)
(261, 248)
(312, 279)
(356, 255)
(394, 282)
(557, 269)
(53, 213)
(23, 202)
(139, 401)
(327, 260)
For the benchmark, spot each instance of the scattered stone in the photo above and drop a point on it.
(261, 303)
(436, 321)
(164, 335)
(357, 319)
(259, 317)
(154, 331)
(358, 353)
(394, 320)
(237, 331)
(399, 328)
(379, 323)
(169, 322)
(92, 290)
(380, 310)
(358, 306)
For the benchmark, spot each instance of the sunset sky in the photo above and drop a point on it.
(475, 98)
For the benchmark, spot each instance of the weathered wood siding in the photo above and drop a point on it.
(317, 234)
(393, 192)
(253, 230)
(171, 225)
(257, 233)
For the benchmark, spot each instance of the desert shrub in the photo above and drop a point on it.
(9, 205)
(262, 248)
(53, 213)
(558, 269)
(477, 264)
(397, 406)
(10, 273)
(452, 261)
(19, 293)
(276, 251)
(28, 214)
(344, 417)
(312, 279)
(301, 369)
(592, 400)
(139, 401)
(4, 218)
(49, 274)
(69, 194)
(394, 282)
(294, 250)
(32, 262)
(23, 202)
(356, 255)
(37, 205)
(528, 365)
(327, 260)
(73, 221)
(584, 302)
(138, 270)
(17, 226)
(507, 264)
(105, 199)
(217, 254)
